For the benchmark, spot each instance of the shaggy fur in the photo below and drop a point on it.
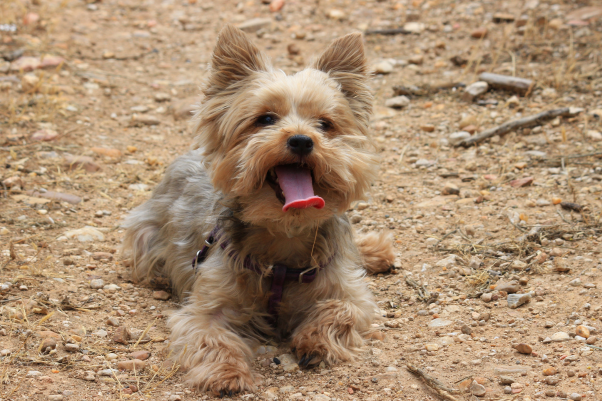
(222, 181)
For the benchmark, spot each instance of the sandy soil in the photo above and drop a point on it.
(87, 132)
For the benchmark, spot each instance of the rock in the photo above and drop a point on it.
(162, 97)
(458, 137)
(448, 262)
(97, 283)
(510, 287)
(523, 182)
(582, 331)
(427, 127)
(477, 389)
(47, 343)
(417, 59)
(45, 135)
(383, 67)
(516, 300)
(591, 340)
(524, 348)
(336, 14)
(58, 196)
(397, 102)
(33, 373)
(560, 336)
(506, 380)
(594, 136)
(100, 333)
(450, 189)
(162, 295)
(414, 27)
(121, 335)
(113, 321)
(255, 24)
(503, 17)
(143, 119)
(439, 322)
(551, 371)
(13, 182)
(293, 49)
(141, 355)
(25, 64)
(86, 234)
(276, 5)
(107, 372)
(475, 90)
(133, 364)
(113, 153)
(75, 162)
(71, 347)
(479, 33)
(518, 265)
(487, 297)
(30, 83)
(55, 397)
(466, 329)
(49, 61)
(575, 396)
(432, 347)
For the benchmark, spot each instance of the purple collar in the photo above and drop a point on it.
(280, 272)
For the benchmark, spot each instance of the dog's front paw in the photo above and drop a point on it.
(223, 379)
(328, 335)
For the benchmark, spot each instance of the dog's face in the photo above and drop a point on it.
(292, 150)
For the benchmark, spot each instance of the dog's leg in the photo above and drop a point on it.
(216, 358)
(377, 251)
(332, 332)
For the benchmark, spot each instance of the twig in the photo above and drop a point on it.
(562, 217)
(511, 125)
(394, 31)
(445, 236)
(594, 347)
(441, 389)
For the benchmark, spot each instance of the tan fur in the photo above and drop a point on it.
(223, 181)
(377, 251)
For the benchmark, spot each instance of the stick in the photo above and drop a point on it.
(394, 31)
(442, 390)
(511, 125)
(515, 84)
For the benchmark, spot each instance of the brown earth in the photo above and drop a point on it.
(84, 140)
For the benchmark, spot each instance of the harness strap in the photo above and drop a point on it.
(280, 272)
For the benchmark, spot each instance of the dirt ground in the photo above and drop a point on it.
(94, 104)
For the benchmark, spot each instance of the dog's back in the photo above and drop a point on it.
(154, 229)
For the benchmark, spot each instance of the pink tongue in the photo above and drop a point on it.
(297, 188)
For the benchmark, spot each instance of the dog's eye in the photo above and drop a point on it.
(265, 120)
(325, 125)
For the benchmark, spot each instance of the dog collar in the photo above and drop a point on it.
(280, 272)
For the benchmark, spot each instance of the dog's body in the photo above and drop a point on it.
(234, 185)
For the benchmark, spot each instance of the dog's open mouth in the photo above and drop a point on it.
(294, 187)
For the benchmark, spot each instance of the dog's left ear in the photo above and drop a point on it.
(345, 61)
(235, 58)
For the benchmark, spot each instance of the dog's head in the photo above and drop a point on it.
(292, 150)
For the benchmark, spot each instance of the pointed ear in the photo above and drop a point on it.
(344, 55)
(345, 62)
(235, 57)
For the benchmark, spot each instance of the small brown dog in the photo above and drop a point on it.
(260, 202)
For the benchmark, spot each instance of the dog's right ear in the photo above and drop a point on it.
(235, 58)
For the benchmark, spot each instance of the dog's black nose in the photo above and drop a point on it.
(300, 144)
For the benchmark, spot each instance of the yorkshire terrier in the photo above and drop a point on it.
(250, 226)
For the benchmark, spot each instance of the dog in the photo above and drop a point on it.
(250, 226)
